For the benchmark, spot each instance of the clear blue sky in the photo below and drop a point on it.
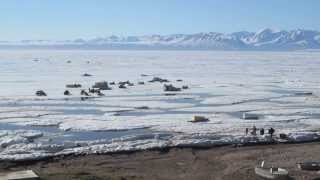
(69, 19)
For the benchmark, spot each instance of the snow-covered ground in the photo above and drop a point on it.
(282, 88)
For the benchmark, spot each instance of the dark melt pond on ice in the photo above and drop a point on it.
(58, 136)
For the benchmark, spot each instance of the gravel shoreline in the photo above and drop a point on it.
(221, 163)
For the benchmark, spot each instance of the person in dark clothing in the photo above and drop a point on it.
(271, 131)
(262, 131)
(254, 130)
(247, 131)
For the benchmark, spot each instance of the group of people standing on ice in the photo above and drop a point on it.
(261, 131)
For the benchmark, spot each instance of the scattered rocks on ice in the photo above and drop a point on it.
(102, 85)
(41, 93)
(185, 87)
(158, 79)
(170, 87)
(67, 93)
(125, 83)
(73, 85)
(142, 107)
(86, 75)
(94, 90)
(84, 93)
(122, 86)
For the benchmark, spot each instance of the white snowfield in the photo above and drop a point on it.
(281, 88)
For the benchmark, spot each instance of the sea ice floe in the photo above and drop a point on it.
(8, 138)
(217, 124)
(241, 107)
(153, 104)
(31, 151)
(299, 100)
(223, 85)
(22, 114)
(288, 111)
(114, 123)
(236, 97)
(108, 103)
(303, 136)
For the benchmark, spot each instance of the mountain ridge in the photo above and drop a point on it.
(265, 39)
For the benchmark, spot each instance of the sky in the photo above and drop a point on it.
(71, 19)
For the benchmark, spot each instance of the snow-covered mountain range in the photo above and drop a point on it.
(265, 39)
